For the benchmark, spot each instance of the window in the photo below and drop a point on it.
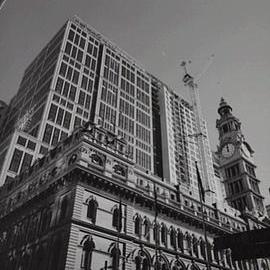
(60, 115)
(117, 218)
(156, 234)
(27, 159)
(195, 246)
(173, 238)
(21, 141)
(188, 242)
(142, 261)
(138, 225)
(146, 224)
(92, 209)
(59, 85)
(31, 145)
(55, 136)
(202, 248)
(72, 93)
(63, 69)
(64, 208)
(164, 234)
(67, 120)
(16, 160)
(52, 113)
(88, 248)
(56, 253)
(178, 265)
(115, 254)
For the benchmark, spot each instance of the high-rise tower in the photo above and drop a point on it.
(78, 76)
(237, 164)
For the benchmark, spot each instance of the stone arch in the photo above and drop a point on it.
(160, 262)
(142, 259)
(177, 264)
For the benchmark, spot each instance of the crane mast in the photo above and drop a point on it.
(200, 133)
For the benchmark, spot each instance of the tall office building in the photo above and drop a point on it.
(97, 158)
(78, 76)
(180, 145)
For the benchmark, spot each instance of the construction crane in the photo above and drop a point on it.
(200, 135)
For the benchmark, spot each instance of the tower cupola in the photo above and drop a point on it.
(224, 108)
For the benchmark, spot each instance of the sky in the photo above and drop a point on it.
(160, 34)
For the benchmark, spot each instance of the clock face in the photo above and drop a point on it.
(228, 150)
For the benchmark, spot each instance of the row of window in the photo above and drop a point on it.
(232, 171)
(109, 94)
(235, 187)
(52, 135)
(143, 159)
(143, 133)
(20, 159)
(59, 116)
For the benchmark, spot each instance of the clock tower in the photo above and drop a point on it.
(237, 165)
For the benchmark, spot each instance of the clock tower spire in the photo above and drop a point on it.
(237, 165)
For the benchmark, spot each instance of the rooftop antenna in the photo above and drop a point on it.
(200, 135)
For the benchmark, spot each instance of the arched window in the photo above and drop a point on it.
(228, 257)
(146, 225)
(178, 265)
(115, 254)
(202, 248)
(189, 243)
(173, 238)
(209, 251)
(117, 218)
(264, 265)
(39, 258)
(63, 208)
(161, 263)
(138, 225)
(195, 246)
(216, 255)
(164, 232)
(194, 267)
(142, 261)
(180, 240)
(92, 206)
(156, 234)
(56, 253)
(88, 248)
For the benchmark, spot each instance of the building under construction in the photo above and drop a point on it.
(100, 163)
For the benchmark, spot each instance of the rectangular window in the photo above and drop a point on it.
(65, 90)
(16, 160)
(31, 145)
(60, 115)
(84, 83)
(72, 93)
(59, 85)
(52, 113)
(55, 136)
(68, 48)
(77, 122)
(69, 73)
(47, 134)
(75, 77)
(63, 69)
(81, 98)
(67, 120)
(21, 141)
(71, 35)
(26, 161)
(63, 135)
(79, 56)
